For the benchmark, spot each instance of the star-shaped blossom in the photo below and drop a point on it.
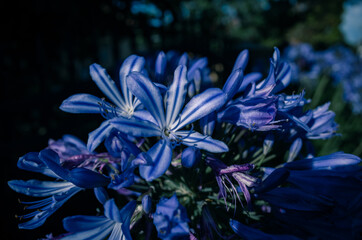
(165, 119)
(123, 104)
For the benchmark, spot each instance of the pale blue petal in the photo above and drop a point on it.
(334, 160)
(86, 178)
(117, 233)
(75, 141)
(31, 162)
(176, 94)
(283, 77)
(38, 188)
(97, 136)
(198, 64)
(207, 123)
(46, 208)
(132, 64)
(148, 94)
(82, 103)
(106, 84)
(51, 159)
(161, 154)
(199, 106)
(265, 87)
(144, 115)
(101, 194)
(81, 223)
(198, 140)
(273, 180)
(87, 227)
(111, 210)
(136, 127)
(250, 78)
(233, 83)
(127, 211)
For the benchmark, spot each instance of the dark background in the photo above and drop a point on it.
(46, 48)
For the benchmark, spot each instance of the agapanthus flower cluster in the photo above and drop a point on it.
(338, 63)
(176, 158)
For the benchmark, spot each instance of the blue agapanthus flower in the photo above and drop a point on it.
(170, 219)
(124, 104)
(166, 135)
(167, 120)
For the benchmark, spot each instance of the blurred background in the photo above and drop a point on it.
(47, 46)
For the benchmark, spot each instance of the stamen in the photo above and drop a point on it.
(108, 111)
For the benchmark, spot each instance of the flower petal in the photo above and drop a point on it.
(249, 233)
(334, 160)
(136, 127)
(199, 106)
(101, 194)
(97, 136)
(252, 113)
(51, 159)
(283, 75)
(296, 199)
(38, 188)
(82, 103)
(277, 177)
(207, 123)
(198, 64)
(127, 211)
(85, 178)
(132, 63)
(196, 139)
(176, 94)
(111, 210)
(31, 162)
(161, 154)
(233, 83)
(148, 94)
(118, 142)
(249, 78)
(106, 84)
(87, 227)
